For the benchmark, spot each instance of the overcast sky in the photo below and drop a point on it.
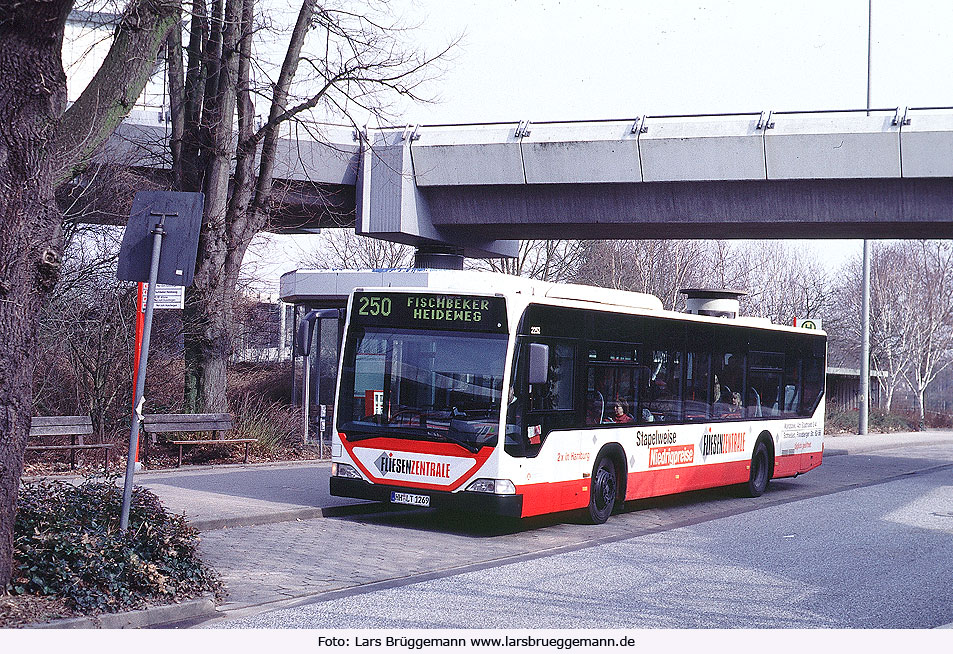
(561, 60)
(570, 60)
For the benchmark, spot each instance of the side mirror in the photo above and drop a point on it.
(538, 372)
(303, 336)
(305, 328)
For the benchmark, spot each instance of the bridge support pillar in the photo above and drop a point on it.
(391, 207)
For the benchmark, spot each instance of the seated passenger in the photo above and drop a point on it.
(619, 415)
(720, 393)
(735, 409)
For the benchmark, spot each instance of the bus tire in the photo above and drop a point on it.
(759, 472)
(603, 490)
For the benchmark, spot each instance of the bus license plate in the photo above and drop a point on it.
(408, 498)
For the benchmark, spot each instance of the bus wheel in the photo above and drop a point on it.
(602, 491)
(760, 472)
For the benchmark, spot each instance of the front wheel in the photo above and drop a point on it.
(602, 491)
(760, 472)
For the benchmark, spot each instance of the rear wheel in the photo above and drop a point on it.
(602, 491)
(760, 471)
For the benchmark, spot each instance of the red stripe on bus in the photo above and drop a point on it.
(793, 464)
(402, 446)
(574, 494)
(550, 497)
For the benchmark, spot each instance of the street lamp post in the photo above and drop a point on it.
(862, 406)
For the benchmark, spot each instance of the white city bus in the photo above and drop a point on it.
(503, 395)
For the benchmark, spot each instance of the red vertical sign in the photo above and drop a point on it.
(140, 323)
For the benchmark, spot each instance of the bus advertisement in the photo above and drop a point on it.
(521, 398)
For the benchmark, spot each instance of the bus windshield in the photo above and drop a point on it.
(421, 384)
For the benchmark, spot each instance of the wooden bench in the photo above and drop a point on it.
(76, 427)
(170, 423)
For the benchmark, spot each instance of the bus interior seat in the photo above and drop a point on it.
(595, 407)
(757, 403)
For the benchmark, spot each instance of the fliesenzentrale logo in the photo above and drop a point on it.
(713, 444)
(387, 463)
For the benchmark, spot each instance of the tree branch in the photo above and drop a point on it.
(113, 91)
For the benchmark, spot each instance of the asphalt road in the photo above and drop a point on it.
(862, 542)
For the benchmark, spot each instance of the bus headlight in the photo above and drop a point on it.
(495, 486)
(344, 470)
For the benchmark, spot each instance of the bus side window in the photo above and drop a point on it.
(596, 389)
(813, 383)
(765, 371)
(696, 401)
(537, 409)
(727, 385)
(663, 391)
(791, 392)
(556, 393)
(514, 442)
(610, 394)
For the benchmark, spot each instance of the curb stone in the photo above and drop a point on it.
(346, 510)
(187, 468)
(153, 616)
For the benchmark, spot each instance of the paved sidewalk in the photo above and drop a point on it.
(238, 508)
(270, 564)
(245, 495)
(242, 495)
(854, 444)
(263, 529)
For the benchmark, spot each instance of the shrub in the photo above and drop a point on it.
(67, 543)
(939, 420)
(845, 422)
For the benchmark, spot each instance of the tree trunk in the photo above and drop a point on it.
(922, 409)
(230, 221)
(41, 145)
(209, 302)
(32, 95)
(208, 345)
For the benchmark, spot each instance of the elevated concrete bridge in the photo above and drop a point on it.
(887, 173)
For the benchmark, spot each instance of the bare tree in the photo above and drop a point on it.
(929, 313)
(44, 144)
(890, 349)
(603, 263)
(660, 268)
(85, 348)
(890, 346)
(338, 62)
(781, 283)
(342, 248)
(551, 261)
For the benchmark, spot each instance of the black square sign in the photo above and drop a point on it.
(181, 217)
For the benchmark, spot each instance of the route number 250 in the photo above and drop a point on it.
(374, 306)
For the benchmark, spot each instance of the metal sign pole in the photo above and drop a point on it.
(306, 398)
(317, 382)
(158, 232)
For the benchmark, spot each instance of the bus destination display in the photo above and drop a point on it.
(430, 311)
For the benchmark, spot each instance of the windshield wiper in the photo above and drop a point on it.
(441, 435)
(360, 432)
(472, 447)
